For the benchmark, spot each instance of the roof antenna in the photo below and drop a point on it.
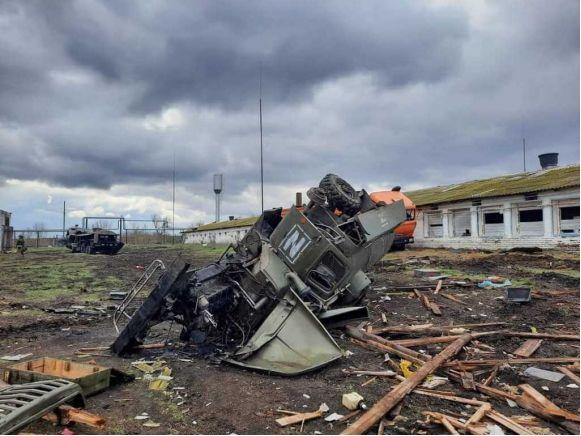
(173, 200)
(261, 156)
(524, 155)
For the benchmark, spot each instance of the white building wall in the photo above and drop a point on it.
(217, 236)
(6, 231)
(509, 234)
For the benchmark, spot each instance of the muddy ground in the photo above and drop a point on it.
(222, 399)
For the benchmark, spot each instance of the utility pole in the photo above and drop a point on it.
(64, 217)
(524, 155)
(261, 155)
(173, 201)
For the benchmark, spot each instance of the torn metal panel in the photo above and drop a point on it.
(257, 306)
(290, 341)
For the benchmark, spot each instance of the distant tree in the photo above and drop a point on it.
(103, 224)
(39, 227)
(159, 224)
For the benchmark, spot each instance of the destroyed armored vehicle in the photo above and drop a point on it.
(267, 302)
(92, 241)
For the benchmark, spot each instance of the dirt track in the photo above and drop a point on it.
(223, 399)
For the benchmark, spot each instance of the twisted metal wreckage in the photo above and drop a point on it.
(266, 303)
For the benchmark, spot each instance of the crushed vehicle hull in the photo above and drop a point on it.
(264, 303)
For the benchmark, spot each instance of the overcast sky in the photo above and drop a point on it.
(97, 96)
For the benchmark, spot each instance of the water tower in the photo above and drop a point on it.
(218, 185)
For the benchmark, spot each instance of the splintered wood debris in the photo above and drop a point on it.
(464, 371)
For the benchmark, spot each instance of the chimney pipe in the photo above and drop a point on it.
(299, 199)
(549, 160)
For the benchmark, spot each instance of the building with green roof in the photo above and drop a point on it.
(223, 232)
(529, 209)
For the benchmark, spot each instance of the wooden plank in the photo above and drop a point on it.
(371, 380)
(299, 417)
(435, 308)
(472, 429)
(437, 340)
(386, 346)
(544, 336)
(468, 381)
(392, 398)
(496, 393)
(570, 374)
(453, 398)
(455, 299)
(479, 414)
(512, 361)
(508, 423)
(381, 427)
(386, 373)
(66, 414)
(491, 376)
(547, 404)
(448, 425)
(528, 347)
(82, 416)
(530, 405)
(429, 328)
(538, 397)
(426, 301)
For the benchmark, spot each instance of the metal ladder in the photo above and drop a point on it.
(122, 309)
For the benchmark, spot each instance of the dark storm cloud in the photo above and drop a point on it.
(211, 52)
(384, 92)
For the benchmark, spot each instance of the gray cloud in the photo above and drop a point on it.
(410, 93)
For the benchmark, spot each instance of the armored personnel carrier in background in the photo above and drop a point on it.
(92, 241)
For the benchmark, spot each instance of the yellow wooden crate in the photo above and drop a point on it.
(91, 378)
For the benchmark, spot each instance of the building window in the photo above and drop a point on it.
(530, 216)
(570, 213)
(493, 223)
(435, 227)
(461, 222)
(530, 222)
(569, 223)
(493, 218)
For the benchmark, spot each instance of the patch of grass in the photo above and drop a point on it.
(527, 283)
(452, 273)
(539, 271)
(194, 249)
(47, 250)
(42, 280)
(21, 313)
(47, 281)
(175, 413)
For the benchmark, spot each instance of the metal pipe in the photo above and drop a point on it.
(300, 285)
(299, 199)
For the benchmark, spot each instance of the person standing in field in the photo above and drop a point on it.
(21, 245)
